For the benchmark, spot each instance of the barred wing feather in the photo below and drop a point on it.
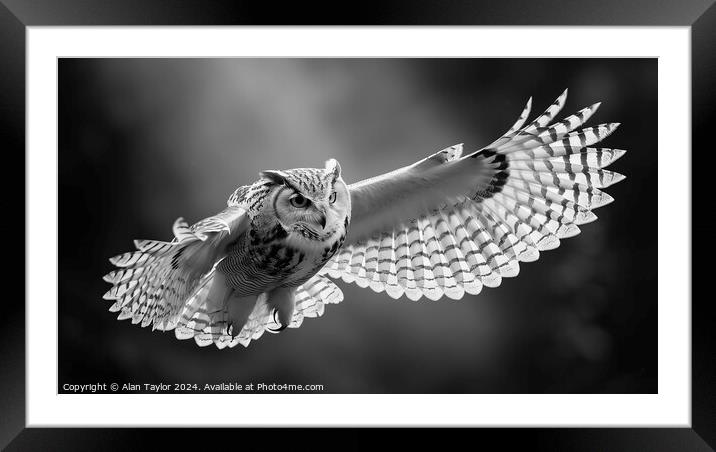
(450, 224)
(163, 282)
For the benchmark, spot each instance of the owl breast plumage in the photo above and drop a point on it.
(445, 226)
(266, 258)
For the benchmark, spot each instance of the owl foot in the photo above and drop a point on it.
(281, 328)
(231, 331)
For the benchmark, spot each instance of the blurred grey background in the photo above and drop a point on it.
(143, 141)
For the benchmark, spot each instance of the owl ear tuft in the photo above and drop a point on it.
(334, 168)
(275, 176)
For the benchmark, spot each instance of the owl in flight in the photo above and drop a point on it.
(444, 226)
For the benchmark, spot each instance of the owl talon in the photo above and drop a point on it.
(230, 330)
(278, 330)
(281, 328)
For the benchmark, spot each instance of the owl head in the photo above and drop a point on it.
(313, 202)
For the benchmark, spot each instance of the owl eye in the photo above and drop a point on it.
(299, 201)
(332, 199)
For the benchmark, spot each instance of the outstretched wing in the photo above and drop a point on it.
(449, 224)
(160, 280)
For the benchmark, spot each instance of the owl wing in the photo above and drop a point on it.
(164, 283)
(451, 223)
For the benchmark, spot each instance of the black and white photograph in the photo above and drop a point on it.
(357, 225)
(255, 223)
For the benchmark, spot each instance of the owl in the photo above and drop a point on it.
(446, 226)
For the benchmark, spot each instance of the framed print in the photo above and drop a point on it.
(388, 190)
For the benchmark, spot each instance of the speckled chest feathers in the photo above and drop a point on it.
(299, 220)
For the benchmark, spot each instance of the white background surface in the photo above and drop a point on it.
(670, 407)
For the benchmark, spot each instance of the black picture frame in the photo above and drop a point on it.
(16, 15)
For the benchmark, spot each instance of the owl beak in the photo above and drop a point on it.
(322, 217)
(322, 220)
